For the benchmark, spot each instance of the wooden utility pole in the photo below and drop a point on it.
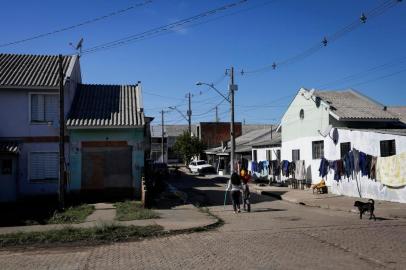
(189, 114)
(217, 114)
(162, 138)
(232, 88)
(62, 186)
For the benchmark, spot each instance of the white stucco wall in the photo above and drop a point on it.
(365, 141)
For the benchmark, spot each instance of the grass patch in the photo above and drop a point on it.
(99, 234)
(74, 214)
(133, 210)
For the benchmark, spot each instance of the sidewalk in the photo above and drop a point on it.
(383, 209)
(178, 218)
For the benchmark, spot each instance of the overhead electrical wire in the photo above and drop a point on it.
(162, 29)
(324, 42)
(100, 18)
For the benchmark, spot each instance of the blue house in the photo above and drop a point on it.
(108, 140)
(29, 122)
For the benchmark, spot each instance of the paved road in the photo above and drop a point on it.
(276, 235)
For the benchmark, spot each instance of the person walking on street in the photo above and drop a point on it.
(234, 186)
(245, 177)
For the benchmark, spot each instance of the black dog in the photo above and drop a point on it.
(366, 207)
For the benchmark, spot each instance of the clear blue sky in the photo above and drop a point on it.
(169, 65)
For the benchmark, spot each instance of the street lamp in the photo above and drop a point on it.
(232, 88)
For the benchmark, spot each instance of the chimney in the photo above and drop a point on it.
(138, 95)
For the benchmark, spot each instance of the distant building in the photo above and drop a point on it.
(214, 133)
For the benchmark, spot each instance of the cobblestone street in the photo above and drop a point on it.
(276, 235)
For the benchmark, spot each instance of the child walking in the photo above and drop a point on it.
(245, 177)
(234, 186)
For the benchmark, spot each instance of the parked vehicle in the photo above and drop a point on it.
(201, 167)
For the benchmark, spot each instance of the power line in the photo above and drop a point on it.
(103, 17)
(379, 10)
(366, 72)
(162, 29)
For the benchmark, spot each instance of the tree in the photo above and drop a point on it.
(188, 146)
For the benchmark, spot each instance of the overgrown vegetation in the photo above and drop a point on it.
(133, 210)
(188, 146)
(99, 234)
(74, 214)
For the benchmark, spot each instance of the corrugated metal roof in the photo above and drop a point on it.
(171, 130)
(276, 140)
(351, 105)
(9, 147)
(400, 112)
(23, 70)
(106, 106)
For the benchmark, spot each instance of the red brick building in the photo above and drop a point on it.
(213, 133)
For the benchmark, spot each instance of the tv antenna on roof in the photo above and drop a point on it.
(78, 47)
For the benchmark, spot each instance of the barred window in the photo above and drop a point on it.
(345, 148)
(318, 149)
(388, 148)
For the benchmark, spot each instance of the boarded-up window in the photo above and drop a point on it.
(44, 107)
(255, 157)
(44, 166)
(388, 148)
(318, 149)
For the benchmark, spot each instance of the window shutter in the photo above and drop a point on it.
(51, 108)
(37, 108)
(44, 166)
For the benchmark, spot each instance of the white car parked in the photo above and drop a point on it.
(200, 166)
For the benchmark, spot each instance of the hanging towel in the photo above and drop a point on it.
(373, 168)
(391, 171)
(323, 169)
(363, 163)
(249, 166)
(300, 170)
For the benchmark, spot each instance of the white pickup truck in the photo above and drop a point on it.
(201, 166)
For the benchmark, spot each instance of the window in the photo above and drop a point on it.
(254, 152)
(295, 154)
(345, 148)
(268, 155)
(6, 166)
(44, 108)
(388, 148)
(44, 166)
(301, 114)
(318, 149)
(202, 162)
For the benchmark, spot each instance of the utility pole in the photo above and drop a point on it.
(232, 88)
(61, 192)
(189, 114)
(162, 138)
(217, 115)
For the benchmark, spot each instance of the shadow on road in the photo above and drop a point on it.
(205, 191)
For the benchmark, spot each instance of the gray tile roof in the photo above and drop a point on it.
(170, 130)
(9, 147)
(400, 112)
(106, 106)
(275, 141)
(351, 105)
(22, 70)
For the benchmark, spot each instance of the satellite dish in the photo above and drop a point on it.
(326, 131)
